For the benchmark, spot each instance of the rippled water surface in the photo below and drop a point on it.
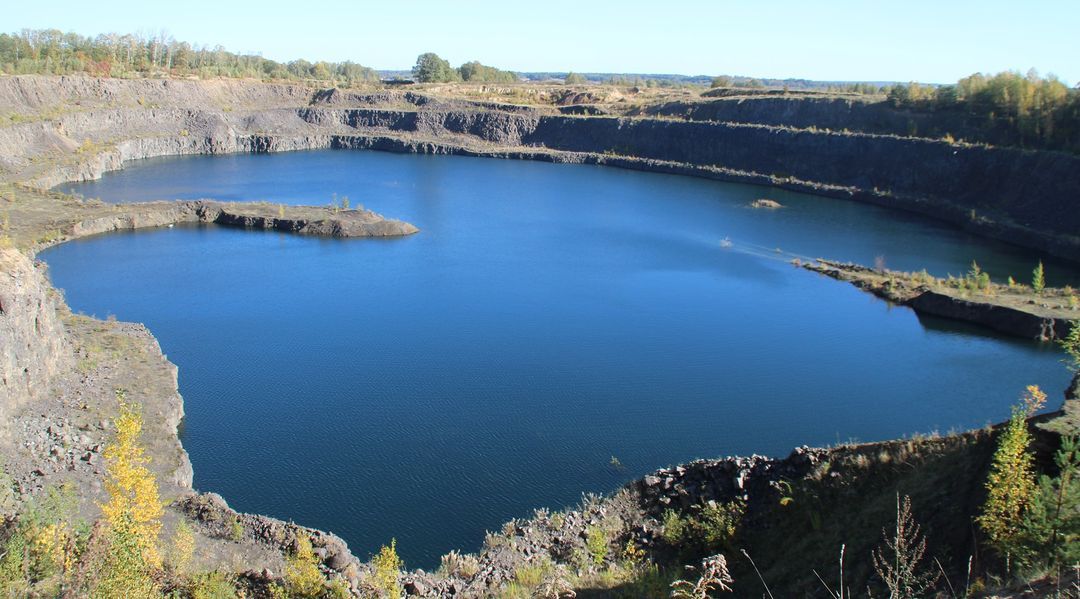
(547, 318)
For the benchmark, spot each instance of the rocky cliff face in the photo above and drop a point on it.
(1003, 319)
(1022, 195)
(100, 124)
(991, 188)
(853, 113)
(32, 94)
(33, 347)
(58, 374)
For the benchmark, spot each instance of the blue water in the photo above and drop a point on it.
(546, 318)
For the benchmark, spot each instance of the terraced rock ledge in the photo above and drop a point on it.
(76, 128)
(1014, 310)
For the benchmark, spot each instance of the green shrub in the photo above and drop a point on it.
(720, 523)
(532, 575)
(213, 585)
(461, 565)
(14, 576)
(126, 570)
(302, 576)
(236, 530)
(596, 542)
(710, 527)
(1071, 345)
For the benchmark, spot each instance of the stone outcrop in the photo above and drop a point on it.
(324, 223)
(217, 520)
(33, 347)
(860, 113)
(55, 432)
(1068, 421)
(301, 220)
(723, 480)
(1001, 184)
(765, 203)
(1015, 313)
(1004, 319)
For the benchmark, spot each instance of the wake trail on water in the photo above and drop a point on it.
(762, 251)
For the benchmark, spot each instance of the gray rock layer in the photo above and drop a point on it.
(1005, 192)
(33, 347)
(999, 318)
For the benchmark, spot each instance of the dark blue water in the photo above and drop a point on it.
(546, 318)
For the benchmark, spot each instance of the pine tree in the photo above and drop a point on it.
(1051, 527)
(1011, 484)
(1038, 278)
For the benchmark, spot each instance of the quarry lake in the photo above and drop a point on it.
(546, 319)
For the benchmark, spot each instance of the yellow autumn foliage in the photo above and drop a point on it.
(133, 493)
(53, 543)
(132, 515)
(388, 566)
(302, 576)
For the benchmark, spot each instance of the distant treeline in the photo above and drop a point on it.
(1007, 108)
(52, 52)
(796, 85)
(430, 68)
(1026, 110)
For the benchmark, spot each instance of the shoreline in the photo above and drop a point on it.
(709, 479)
(953, 214)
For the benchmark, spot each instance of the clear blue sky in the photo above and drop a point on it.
(901, 40)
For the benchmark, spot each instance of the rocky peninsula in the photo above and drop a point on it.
(1018, 310)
